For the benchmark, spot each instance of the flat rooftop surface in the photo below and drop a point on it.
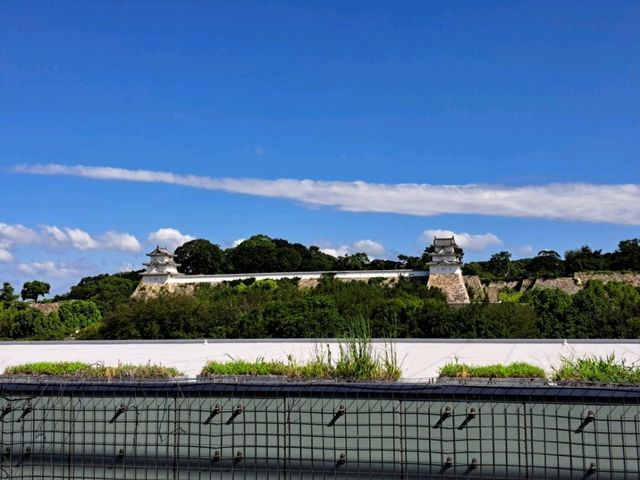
(420, 358)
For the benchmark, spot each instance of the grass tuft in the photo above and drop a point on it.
(597, 369)
(513, 370)
(83, 370)
(357, 360)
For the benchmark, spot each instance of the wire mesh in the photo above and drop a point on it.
(312, 431)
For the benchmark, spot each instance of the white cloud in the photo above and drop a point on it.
(468, 241)
(237, 242)
(524, 250)
(5, 256)
(47, 269)
(599, 203)
(169, 238)
(78, 239)
(336, 252)
(371, 248)
(51, 236)
(16, 235)
(125, 267)
(55, 234)
(120, 241)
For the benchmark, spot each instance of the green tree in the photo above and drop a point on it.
(410, 262)
(254, 255)
(78, 314)
(627, 256)
(106, 291)
(32, 290)
(552, 307)
(200, 257)
(499, 264)
(356, 261)
(316, 261)
(545, 266)
(287, 257)
(584, 259)
(7, 294)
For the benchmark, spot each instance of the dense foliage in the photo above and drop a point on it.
(106, 291)
(21, 321)
(101, 307)
(548, 264)
(33, 290)
(280, 309)
(261, 253)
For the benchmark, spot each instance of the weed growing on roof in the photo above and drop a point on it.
(358, 359)
(83, 370)
(597, 369)
(512, 370)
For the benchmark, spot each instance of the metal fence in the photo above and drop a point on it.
(318, 430)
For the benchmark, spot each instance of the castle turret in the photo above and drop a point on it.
(160, 267)
(445, 259)
(445, 270)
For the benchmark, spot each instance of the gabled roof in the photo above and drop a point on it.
(444, 242)
(159, 251)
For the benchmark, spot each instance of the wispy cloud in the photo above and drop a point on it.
(53, 237)
(473, 242)
(16, 235)
(372, 248)
(5, 256)
(617, 204)
(169, 238)
(524, 250)
(78, 239)
(47, 269)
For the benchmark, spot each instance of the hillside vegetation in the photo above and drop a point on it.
(100, 306)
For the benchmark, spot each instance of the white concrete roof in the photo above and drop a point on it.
(420, 359)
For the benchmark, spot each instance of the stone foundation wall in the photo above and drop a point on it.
(474, 287)
(452, 285)
(145, 290)
(569, 285)
(630, 278)
(566, 284)
(46, 308)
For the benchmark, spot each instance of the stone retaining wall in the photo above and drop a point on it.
(452, 285)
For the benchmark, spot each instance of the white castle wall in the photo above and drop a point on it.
(361, 275)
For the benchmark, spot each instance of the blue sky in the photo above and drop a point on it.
(515, 125)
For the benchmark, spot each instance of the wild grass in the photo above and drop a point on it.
(48, 368)
(83, 370)
(358, 359)
(597, 369)
(512, 370)
(243, 367)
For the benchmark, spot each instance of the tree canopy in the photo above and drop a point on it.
(34, 289)
(7, 293)
(200, 257)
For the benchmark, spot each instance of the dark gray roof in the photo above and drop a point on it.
(443, 242)
(159, 251)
